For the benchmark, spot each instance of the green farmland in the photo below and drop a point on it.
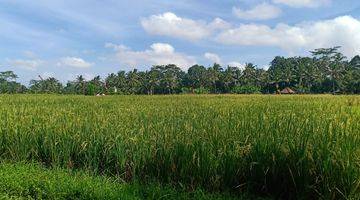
(180, 147)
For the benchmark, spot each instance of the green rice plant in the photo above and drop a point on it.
(290, 147)
(31, 181)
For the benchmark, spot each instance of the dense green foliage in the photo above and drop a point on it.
(328, 71)
(8, 83)
(31, 181)
(284, 146)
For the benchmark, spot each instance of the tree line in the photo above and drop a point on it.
(327, 71)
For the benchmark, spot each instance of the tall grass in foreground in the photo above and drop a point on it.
(31, 181)
(286, 146)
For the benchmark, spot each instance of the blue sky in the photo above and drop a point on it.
(66, 38)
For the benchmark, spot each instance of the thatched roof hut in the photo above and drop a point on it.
(287, 90)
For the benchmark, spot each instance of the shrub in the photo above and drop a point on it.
(246, 89)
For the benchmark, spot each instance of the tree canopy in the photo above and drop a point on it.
(327, 71)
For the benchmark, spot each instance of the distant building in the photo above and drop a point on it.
(287, 90)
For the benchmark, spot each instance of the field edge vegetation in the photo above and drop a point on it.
(327, 71)
(33, 181)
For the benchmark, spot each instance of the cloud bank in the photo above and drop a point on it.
(158, 54)
(262, 11)
(342, 31)
(74, 62)
(169, 24)
(303, 3)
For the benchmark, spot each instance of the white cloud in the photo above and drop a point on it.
(342, 31)
(31, 65)
(303, 3)
(169, 24)
(237, 64)
(115, 46)
(158, 54)
(162, 49)
(219, 24)
(74, 62)
(262, 11)
(213, 57)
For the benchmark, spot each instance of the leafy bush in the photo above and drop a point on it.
(246, 89)
(201, 90)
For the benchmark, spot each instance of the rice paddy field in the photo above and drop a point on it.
(191, 147)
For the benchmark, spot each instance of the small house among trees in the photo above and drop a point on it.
(287, 90)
